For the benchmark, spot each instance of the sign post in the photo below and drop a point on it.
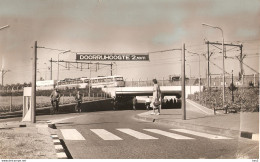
(27, 104)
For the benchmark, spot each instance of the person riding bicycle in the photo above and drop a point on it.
(55, 99)
(78, 98)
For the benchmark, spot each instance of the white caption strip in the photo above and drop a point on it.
(71, 134)
(205, 135)
(105, 135)
(168, 134)
(136, 134)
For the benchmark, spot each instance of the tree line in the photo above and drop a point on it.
(17, 86)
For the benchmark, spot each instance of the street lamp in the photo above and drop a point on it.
(215, 27)
(59, 63)
(2, 70)
(199, 73)
(46, 70)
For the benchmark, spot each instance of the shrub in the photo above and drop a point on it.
(245, 99)
(232, 87)
(251, 84)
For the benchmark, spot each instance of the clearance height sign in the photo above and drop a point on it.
(112, 57)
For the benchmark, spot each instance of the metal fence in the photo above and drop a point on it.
(15, 103)
(244, 81)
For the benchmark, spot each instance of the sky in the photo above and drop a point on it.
(123, 26)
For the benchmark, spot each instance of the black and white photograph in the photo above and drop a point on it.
(129, 79)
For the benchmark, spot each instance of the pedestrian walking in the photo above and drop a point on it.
(114, 102)
(156, 97)
(134, 103)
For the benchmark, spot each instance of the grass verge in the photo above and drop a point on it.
(25, 143)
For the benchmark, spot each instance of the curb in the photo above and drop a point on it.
(207, 129)
(58, 147)
(202, 108)
(60, 151)
(249, 135)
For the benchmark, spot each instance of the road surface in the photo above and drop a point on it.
(117, 134)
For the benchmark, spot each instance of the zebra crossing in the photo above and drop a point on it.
(105, 135)
(146, 134)
(168, 134)
(205, 135)
(136, 134)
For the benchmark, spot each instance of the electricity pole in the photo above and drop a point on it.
(33, 92)
(183, 101)
(111, 69)
(216, 27)
(51, 68)
(208, 80)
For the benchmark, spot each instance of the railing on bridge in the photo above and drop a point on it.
(244, 81)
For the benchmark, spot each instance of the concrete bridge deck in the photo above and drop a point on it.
(148, 91)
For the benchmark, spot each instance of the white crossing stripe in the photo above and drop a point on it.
(136, 134)
(62, 119)
(168, 134)
(71, 134)
(206, 135)
(105, 135)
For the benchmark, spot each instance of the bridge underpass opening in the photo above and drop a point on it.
(125, 95)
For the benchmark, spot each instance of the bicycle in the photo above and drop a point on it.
(78, 107)
(55, 107)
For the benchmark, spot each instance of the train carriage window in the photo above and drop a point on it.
(79, 81)
(119, 79)
(101, 80)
